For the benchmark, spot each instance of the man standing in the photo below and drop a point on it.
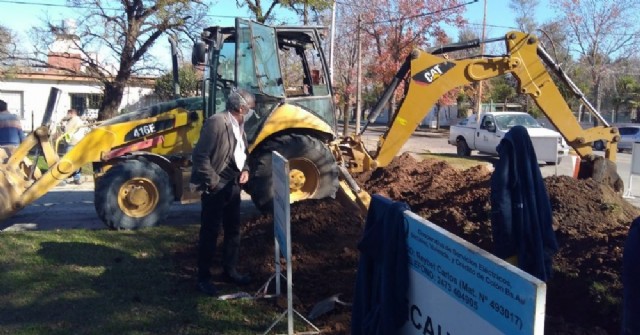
(219, 168)
(11, 134)
(73, 134)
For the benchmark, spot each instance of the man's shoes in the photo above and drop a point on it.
(207, 288)
(236, 278)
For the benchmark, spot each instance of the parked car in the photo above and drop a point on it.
(628, 136)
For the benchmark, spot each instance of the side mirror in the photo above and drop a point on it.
(199, 53)
(490, 126)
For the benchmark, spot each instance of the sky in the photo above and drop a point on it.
(21, 15)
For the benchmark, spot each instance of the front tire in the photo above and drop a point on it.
(133, 194)
(313, 170)
(462, 148)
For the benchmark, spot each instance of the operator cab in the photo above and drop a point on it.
(279, 65)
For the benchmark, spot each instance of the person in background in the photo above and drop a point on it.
(219, 169)
(73, 133)
(11, 134)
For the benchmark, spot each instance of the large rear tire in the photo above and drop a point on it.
(133, 194)
(313, 170)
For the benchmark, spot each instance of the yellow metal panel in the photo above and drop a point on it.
(431, 78)
(287, 117)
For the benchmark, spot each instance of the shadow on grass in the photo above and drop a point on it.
(86, 288)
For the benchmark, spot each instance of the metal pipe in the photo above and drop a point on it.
(542, 53)
(377, 109)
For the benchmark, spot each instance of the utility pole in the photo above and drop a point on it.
(333, 36)
(484, 31)
(359, 79)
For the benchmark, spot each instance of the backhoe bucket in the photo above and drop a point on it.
(12, 185)
(601, 170)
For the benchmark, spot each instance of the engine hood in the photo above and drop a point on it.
(542, 132)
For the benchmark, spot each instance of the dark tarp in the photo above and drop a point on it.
(521, 216)
(631, 281)
(380, 299)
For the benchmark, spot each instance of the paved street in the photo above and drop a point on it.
(71, 206)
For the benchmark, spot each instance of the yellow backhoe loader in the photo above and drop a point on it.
(141, 160)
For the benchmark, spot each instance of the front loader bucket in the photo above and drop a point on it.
(12, 185)
(601, 170)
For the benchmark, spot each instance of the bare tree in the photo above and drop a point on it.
(524, 10)
(7, 47)
(603, 33)
(302, 7)
(113, 40)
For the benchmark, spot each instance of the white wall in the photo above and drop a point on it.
(35, 93)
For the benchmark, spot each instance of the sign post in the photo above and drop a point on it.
(635, 167)
(282, 237)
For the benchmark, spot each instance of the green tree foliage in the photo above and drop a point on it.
(114, 38)
(189, 81)
(626, 94)
(502, 90)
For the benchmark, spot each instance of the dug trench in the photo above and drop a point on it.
(590, 220)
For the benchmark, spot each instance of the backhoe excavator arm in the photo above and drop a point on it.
(431, 76)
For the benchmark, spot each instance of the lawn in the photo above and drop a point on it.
(114, 282)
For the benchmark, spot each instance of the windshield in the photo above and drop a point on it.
(628, 130)
(508, 121)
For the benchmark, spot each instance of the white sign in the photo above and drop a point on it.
(635, 158)
(282, 228)
(281, 205)
(635, 168)
(458, 288)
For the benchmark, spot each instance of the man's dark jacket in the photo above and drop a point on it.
(380, 299)
(521, 215)
(214, 151)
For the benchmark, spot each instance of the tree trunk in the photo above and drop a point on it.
(392, 109)
(113, 93)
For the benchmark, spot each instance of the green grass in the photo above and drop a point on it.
(114, 282)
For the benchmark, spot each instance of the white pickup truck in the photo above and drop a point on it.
(468, 135)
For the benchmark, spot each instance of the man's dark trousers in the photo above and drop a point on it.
(219, 208)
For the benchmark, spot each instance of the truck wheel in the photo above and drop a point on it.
(133, 194)
(462, 149)
(313, 172)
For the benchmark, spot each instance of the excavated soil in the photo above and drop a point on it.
(591, 222)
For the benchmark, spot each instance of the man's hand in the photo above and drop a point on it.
(244, 177)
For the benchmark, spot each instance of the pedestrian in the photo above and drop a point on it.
(219, 169)
(73, 133)
(11, 134)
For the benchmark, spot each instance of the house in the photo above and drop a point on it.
(27, 91)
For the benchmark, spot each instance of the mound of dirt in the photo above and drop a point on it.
(591, 223)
